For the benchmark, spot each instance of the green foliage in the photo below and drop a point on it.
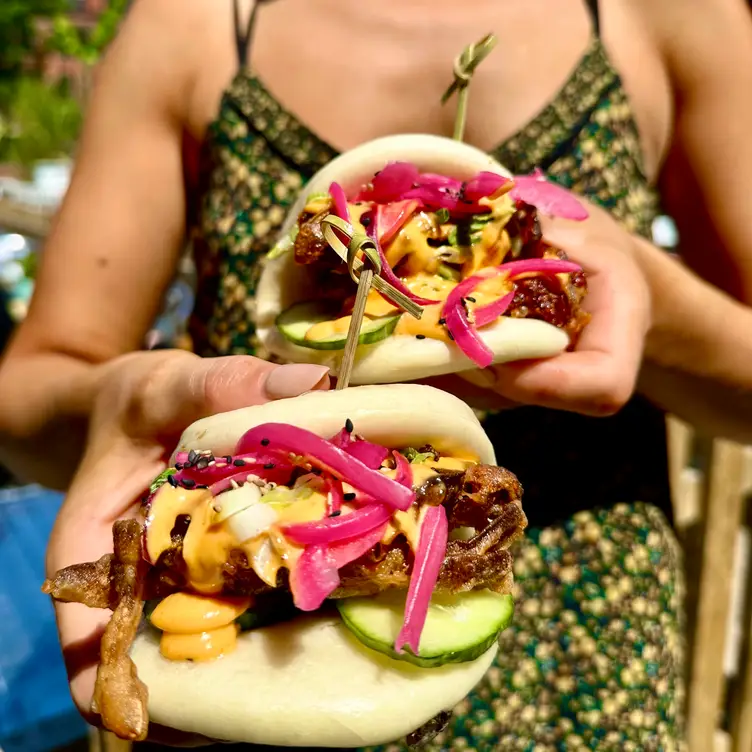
(41, 122)
(17, 18)
(87, 45)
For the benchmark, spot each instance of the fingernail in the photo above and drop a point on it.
(295, 379)
(486, 378)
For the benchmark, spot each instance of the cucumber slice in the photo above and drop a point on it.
(273, 608)
(459, 628)
(295, 322)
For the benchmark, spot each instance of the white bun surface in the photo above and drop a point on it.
(394, 415)
(307, 683)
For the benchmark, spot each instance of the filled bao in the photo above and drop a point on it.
(456, 233)
(331, 570)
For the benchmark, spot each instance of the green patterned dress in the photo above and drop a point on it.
(594, 658)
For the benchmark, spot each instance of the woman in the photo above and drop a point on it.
(588, 663)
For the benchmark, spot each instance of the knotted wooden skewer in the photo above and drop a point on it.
(365, 272)
(464, 67)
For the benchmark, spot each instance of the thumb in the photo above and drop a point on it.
(187, 389)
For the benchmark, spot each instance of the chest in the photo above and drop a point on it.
(356, 71)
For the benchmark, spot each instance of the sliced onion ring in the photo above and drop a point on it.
(324, 454)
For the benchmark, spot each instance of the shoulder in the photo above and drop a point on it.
(178, 53)
(700, 40)
(161, 48)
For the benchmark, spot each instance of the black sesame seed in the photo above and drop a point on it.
(365, 220)
(238, 463)
(172, 480)
(189, 483)
(336, 514)
(349, 426)
(202, 463)
(442, 322)
(451, 336)
(202, 485)
(265, 442)
(178, 465)
(192, 456)
(269, 466)
(349, 497)
(420, 336)
(472, 300)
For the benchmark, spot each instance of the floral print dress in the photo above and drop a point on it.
(594, 658)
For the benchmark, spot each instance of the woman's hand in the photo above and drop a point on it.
(599, 375)
(144, 402)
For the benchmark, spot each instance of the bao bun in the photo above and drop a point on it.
(309, 683)
(399, 357)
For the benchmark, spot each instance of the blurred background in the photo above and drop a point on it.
(48, 49)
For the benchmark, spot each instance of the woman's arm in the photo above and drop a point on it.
(112, 250)
(699, 352)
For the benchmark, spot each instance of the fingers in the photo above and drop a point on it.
(600, 375)
(181, 388)
(473, 387)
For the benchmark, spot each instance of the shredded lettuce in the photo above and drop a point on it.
(415, 457)
(161, 479)
(284, 245)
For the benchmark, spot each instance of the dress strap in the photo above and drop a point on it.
(244, 35)
(594, 11)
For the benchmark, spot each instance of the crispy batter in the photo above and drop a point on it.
(120, 697)
(310, 244)
(485, 498)
(91, 583)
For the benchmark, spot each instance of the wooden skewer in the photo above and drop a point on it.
(366, 273)
(464, 67)
(356, 265)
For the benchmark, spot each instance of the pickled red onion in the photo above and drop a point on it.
(347, 551)
(538, 266)
(333, 529)
(221, 469)
(484, 184)
(313, 578)
(404, 470)
(458, 324)
(488, 313)
(392, 218)
(335, 496)
(432, 545)
(390, 183)
(549, 198)
(371, 455)
(339, 201)
(277, 474)
(328, 457)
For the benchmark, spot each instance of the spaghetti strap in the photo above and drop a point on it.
(243, 36)
(594, 11)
